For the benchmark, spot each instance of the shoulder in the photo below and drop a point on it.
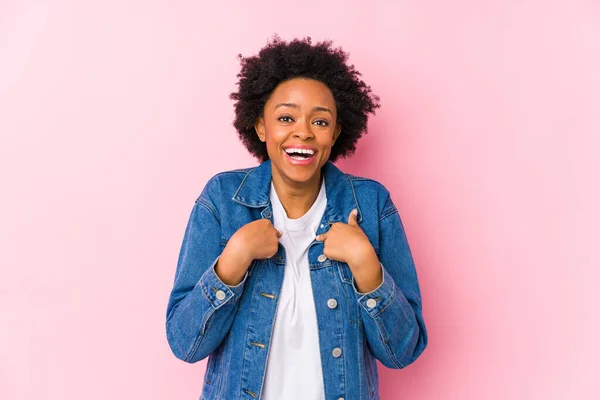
(371, 191)
(364, 182)
(367, 186)
(223, 185)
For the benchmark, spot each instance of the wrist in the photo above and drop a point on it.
(370, 281)
(237, 253)
(364, 256)
(231, 267)
(368, 275)
(366, 269)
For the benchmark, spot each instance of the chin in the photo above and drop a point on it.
(299, 176)
(298, 173)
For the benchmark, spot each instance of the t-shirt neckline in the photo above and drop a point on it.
(298, 223)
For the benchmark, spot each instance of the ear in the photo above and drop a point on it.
(336, 133)
(259, 127)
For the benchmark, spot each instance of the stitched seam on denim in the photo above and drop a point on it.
(362, 374)
(341, 323)
(214, 374)
(239, 170)
(321, 265)
(207, 315)
(207, 296)
(384, 333)
(360, 178)
(262, 383)
(340, 273)
(169, 318)
(202, 328)
(364, 179)
(233, 171)
(340, 267)
(390, 298)
(209, 373)
(385, 342)
(247, 328)
(390, 210)
(199, 337)
(224, 287)
(345, 289)
(227, 351)
(383, 308)
(355, 199)
(209, 207)
(381, 333)
(242, 183)
(370, 384)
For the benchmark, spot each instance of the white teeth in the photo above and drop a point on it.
(304, 151)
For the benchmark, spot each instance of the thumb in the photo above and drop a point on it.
(279, 233)
(352, 218)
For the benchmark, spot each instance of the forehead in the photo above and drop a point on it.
(303, 92)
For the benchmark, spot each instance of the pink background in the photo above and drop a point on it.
(113, 114)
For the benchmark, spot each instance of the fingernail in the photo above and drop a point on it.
(355, 211)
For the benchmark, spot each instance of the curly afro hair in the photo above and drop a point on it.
(279, 61)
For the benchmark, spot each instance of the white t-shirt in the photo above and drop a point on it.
(294, 370)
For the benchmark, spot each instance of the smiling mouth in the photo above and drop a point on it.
(300, 154)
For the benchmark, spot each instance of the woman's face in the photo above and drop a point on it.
(299, 128)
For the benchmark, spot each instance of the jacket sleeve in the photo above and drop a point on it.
(392, 313)
(201, 308)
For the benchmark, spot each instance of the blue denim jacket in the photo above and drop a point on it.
(232, 325)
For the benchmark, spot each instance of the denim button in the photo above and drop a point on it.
(331, 303)
(336, 352)
(220, 294)
(371, 303)
(322, 258)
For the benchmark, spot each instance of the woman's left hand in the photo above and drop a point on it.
(348, 243)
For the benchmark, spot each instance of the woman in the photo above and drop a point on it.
(294, 276)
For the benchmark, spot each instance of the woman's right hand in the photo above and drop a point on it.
(256, 240)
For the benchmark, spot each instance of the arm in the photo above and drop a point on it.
(201, 307)
(391, 313)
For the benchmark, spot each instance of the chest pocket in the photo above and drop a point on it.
(344, 272)
(347, 290)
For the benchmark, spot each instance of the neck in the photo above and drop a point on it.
(296, 197)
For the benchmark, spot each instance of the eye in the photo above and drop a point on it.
(285, 118)
(321, 122)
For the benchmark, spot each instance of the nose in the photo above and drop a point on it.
(303, 130)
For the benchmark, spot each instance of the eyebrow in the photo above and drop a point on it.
(294, 105)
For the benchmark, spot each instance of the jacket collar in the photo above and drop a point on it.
(341, 199)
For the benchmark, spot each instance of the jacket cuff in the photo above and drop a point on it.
(375, 301)
(217, 292)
